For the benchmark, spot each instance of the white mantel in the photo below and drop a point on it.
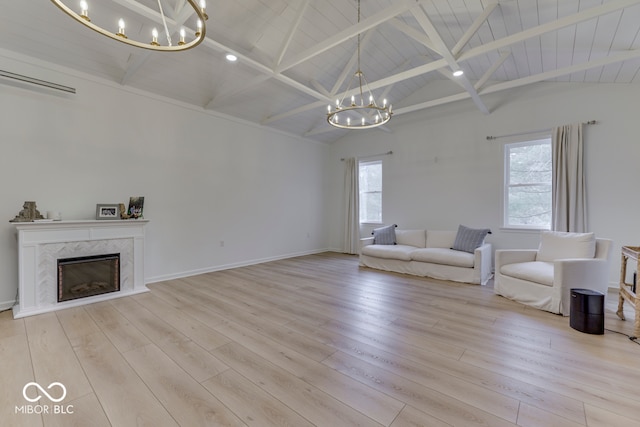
(42, 243)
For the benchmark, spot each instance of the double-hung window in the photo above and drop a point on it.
(370, 183)
(528, 180)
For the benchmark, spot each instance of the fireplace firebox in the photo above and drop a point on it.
(87, 276)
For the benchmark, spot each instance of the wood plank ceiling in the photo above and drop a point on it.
(296, 56)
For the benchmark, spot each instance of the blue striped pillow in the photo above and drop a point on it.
(385, 235)
(468, 239)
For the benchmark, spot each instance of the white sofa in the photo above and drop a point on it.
(428, 253)
(543, 278)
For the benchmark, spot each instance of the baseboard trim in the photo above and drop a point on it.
(221, 267)
(6, 305)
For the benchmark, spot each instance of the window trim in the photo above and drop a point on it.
(365, 162)
(539, 140)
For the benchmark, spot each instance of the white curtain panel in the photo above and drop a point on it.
(569, 193)
(351, 242)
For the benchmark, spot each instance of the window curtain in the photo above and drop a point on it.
(569, 203)
(351, 242)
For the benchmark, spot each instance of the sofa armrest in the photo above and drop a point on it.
(581, 273)
(482, 262)
(366, 241)
(513, 256)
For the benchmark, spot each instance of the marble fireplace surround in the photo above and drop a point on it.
(41, 244)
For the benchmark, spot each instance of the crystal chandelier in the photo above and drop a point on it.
(152, 42)
(359, 113)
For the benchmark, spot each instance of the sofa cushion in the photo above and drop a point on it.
(385, 235)
(533, 271)
(401, 252)
(415, 238)
(443, 256)
(440, 239)
(468, 239)
(561, 245)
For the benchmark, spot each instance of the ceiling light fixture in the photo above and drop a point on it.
(363, 115)
(458, 73)
(152, 43)
(231, 57)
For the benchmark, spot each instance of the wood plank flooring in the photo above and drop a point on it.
(318, 341)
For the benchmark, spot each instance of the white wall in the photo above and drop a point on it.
(443, 171)
(205, 179)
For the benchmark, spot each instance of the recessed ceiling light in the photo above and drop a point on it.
(231, 57)
(458, 73)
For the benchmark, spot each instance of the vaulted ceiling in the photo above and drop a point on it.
(297, 56)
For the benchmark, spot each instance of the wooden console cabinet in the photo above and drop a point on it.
(627, 289)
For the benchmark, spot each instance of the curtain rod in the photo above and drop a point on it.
(491, 138)
(370, 155)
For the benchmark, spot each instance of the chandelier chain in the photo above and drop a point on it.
(366, 113)
(164, 22)
(359, 72)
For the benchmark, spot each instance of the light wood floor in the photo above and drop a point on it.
(318, 341)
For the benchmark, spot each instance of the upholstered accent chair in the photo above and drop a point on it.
(543, 278)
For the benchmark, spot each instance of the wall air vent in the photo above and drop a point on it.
(38, 82)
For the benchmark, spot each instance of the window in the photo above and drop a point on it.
(370, 177)
(527, 190)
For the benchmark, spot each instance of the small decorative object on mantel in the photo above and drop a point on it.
(29, 213)
(123, 211)
(136, 204)
(109, 211)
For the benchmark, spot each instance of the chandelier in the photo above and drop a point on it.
(152, 42)
(362, 113)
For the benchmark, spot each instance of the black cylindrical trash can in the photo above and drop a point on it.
(587, 311)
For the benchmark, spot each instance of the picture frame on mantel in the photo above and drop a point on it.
(136, 206)
(107, 211)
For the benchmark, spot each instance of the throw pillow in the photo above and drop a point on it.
(385, 235)
(561, 245)
(468, 239)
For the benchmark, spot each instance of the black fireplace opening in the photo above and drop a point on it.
(88, 276)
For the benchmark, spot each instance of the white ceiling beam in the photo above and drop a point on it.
(585, 15)
(373, 21)
(179, 6)
(433, 66)
(172, 21)
(487, 75)
(418, 36)
(295, 111)
(140, 9)
(235, 91)
(316, 84)
(348, 70)
(498, 87)
(345, 73)
(477, 23)
(601, 62)
(611, 6)
(432, 32)
(257, 66)
(294, 28)
(134, 65)
(505, 42)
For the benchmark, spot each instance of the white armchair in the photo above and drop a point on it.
(543, 278)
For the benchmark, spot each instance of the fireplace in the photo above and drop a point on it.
(42, 244)
(87, 276)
